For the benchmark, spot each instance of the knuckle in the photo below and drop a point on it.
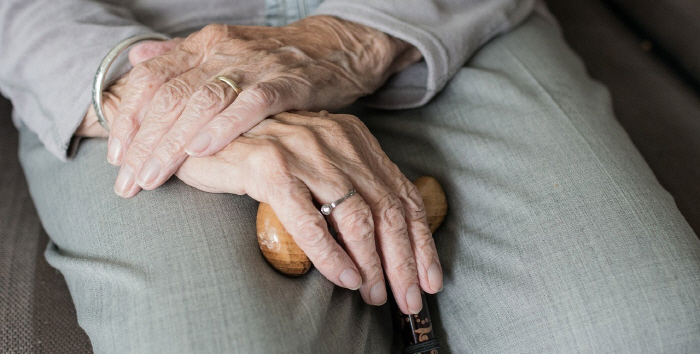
(270, 155)
(329, 257)
(207, 98)
(393, 214)
(359, 226)
(311, 230)
(290, 54)
(302, 136)
(333, 127)
(374, 268)
(171, 145)
(224, 124)
(261, 95)
(338, 134)
(172, 94)
(146, 72)
(141, 72)
(277, 60)
(413, 201)
(406, 270)
(425, 242)
(214, 30)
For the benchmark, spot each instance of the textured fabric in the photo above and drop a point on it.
(36, 312)
(16, 272)
(446, 33)
(658, 109)
(674, 25)
(179, 271)
(559, 238)
(283, 12)
(66, 40)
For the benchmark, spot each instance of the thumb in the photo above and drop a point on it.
(145, 50)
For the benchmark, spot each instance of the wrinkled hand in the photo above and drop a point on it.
(292, 159)
(90, 127)
(173, 105)
(112, 95)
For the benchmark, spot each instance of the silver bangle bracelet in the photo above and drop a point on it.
(101, 74)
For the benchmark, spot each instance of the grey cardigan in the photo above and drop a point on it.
(49, 50)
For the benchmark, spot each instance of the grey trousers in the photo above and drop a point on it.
(559, 238)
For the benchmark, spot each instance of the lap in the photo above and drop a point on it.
(559, 238)
(179, 270)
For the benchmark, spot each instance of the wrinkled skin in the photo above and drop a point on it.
(291, 159)
(174, 106)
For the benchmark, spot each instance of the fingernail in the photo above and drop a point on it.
(149, 171)
(350, 279)
(435, 277)
(198, 144)
(413, 299)
(378, 294)
(132, 192)
(115, 149)
(125, 180)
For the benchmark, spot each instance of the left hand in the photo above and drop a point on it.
(292, 159)
(173, 105)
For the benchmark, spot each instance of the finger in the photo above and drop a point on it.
(294, 207)
(167, 105)
(393, 243)
(427, 260)
(145, 50)
(227, 173)
(352, 219)
(251, 106)
(391, 229)
(356, 228)
(144, 81)
(209, 100)
(90, 127)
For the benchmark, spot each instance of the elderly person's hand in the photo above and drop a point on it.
(112, 96)
(291, 160)
(173, 105)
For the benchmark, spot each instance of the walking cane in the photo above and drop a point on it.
(283, 254)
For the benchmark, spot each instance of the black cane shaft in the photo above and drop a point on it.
(417, 331)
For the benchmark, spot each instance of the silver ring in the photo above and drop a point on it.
(101, 74)
(326, 209)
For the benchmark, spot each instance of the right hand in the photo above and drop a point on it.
(292, 159)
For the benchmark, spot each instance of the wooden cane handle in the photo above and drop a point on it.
(280, 250)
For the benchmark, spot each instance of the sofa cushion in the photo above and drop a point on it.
(673, 25)
(657, 108)
(36, 311)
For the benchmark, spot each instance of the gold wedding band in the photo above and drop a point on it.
(230, 83)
